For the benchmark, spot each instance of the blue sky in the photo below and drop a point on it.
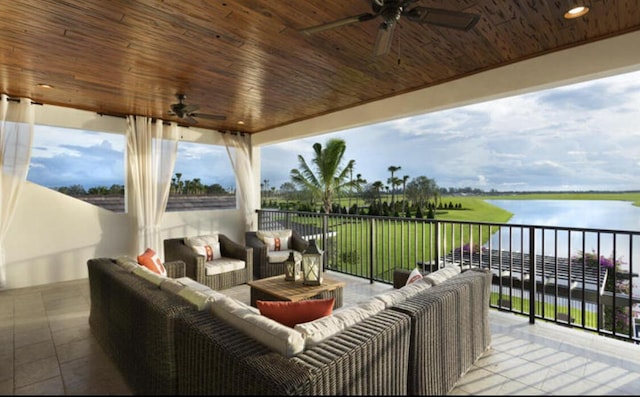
(580, 137)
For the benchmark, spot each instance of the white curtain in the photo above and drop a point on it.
(16, 135)
(151, 156)
(243, 169)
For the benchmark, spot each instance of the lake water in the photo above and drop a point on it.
(585, 214)
(598, 214)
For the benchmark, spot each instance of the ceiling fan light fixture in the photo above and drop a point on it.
(576, 10)
(384, 38)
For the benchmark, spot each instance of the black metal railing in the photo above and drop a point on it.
(584, 278)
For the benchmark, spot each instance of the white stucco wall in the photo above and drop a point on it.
(53, 235)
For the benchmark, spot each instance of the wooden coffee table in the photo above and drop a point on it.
(277, 289)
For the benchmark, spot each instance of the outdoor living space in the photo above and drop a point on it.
(47, 348)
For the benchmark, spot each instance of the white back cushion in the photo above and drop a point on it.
(316, 331)
(442, 275)
(247, 319)
(393, 297)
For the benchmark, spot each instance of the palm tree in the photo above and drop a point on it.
(392, 169)
(404, 197)
(378, 186)
(178, 183)
(327, 176)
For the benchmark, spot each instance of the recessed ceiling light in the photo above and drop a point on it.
(43, 85)
(576, 11)
(241, 122)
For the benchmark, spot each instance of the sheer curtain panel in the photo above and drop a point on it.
(151, 156)
(16, 134)
(243, 169)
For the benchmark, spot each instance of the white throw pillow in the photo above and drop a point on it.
(275, 238)
(414, 276)
(206, 245)
(277, 243)
(210, 252)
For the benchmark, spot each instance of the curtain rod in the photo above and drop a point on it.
(12, 99)
(232, 132)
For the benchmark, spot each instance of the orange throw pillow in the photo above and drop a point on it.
(292, 313)
(151, 261)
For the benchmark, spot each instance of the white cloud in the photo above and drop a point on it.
(580, 137)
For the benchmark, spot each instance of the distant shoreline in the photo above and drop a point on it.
(633, 196)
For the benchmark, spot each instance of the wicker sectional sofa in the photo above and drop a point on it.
(404, 342)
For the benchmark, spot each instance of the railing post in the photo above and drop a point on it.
(372, 244)
(532, 276)
(325, 231)
(437, 244)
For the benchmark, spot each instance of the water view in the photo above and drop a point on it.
(598, 214)
(582, 214)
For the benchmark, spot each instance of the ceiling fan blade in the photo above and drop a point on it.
(441, 17)
(383, 39)
(190, 108)
(209, 116)
(337, 23)
(190, 119)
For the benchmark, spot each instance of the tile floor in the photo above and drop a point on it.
(46, 348)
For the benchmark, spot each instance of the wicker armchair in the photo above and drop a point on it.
(262, 267)
(195, 265)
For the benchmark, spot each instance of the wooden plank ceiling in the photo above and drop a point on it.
(248, 61)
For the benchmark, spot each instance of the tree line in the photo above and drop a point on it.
(178, 187)
(328, 177)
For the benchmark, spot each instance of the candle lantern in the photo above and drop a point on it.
(312, 264)
(291, 268)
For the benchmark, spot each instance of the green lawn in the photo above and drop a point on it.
(405, 243)
(474, 209)
(522, 306)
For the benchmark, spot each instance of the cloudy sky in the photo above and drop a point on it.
(580, 137)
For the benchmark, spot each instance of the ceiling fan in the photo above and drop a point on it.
(187, 112)
(391, 10)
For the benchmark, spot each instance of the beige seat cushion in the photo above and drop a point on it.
(223, 265)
